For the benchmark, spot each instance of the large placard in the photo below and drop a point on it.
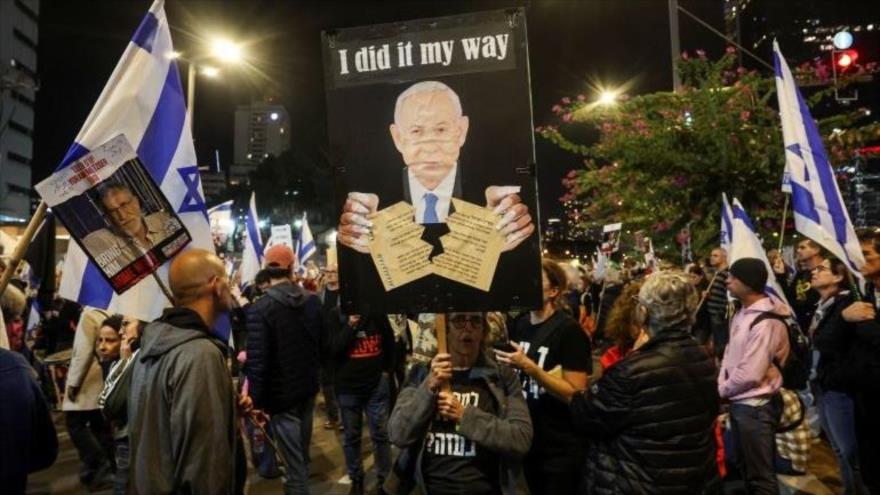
(116, 213)
(430, 123)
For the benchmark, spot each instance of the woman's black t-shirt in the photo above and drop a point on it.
(453, 464)
(558, 341)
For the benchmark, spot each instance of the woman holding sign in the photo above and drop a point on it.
(462, 420)
(554, 357)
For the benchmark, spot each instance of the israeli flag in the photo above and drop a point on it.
(744, 243)
(726, 224)
(144, 101)
(819, 212)
(252, 256)
(305, 245)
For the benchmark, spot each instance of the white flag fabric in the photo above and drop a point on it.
(819, 212)
(144, 101)
(745, 244)
(726, 224)
(252, 256)
(305, 245)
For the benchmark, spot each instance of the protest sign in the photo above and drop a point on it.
(430, 122)
(116, 213)
(611, 238)
(281, 234)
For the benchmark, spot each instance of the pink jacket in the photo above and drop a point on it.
(747, 370)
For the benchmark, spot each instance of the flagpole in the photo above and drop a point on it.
(782, 228)
(21, 248)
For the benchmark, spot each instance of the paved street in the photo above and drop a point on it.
(328, 469)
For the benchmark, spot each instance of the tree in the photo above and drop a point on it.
(292, 183)
(662, 160)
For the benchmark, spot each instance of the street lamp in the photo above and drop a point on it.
(607, 98)
(221, 49)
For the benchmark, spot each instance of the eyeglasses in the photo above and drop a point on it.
(460, 321)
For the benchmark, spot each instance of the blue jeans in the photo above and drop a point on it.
(753, 441)
(837, 413)
(292, 431)
(375, 404)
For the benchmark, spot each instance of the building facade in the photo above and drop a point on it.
(262, 129)
(19, 32)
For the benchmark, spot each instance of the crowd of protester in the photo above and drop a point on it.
(627, 379)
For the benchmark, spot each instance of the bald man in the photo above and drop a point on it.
(181, 402)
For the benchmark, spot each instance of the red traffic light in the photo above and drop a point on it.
(845, 58)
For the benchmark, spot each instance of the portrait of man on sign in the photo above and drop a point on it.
(116, 212)
(428, 131)
(130, 233)
(434, 165)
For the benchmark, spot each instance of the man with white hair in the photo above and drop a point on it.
(429, 130)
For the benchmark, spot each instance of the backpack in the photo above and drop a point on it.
(796, 369)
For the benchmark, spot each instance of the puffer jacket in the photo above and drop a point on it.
(650, 421)
(284, 329)
(509, 434)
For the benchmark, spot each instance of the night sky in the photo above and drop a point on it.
(572, 45)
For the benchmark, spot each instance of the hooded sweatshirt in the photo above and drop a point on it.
(181, 421)
(747, 371)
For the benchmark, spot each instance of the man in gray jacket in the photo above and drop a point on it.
(181, 403)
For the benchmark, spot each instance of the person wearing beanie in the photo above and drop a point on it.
(285, 330)
(751, 375)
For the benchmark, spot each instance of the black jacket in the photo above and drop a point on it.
(650, 421)
(27, 434)
(350, 374)
(283, 347)
(863, 360)
(802, 297)
(834, 338)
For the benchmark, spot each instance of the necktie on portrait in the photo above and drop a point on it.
(431, 208)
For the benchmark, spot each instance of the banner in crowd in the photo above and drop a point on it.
(222, 224)
(611, 238)
(116, 213)
(431, 128)
(142, 100)
(280, 234)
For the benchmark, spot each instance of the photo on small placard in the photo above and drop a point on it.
(116, 213)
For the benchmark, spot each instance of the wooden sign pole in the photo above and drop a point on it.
(440, 330)
(23, 243)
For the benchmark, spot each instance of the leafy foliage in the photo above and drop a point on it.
(662, 160)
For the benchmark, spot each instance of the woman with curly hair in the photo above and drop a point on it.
(622, 329)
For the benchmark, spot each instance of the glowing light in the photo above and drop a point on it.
(226, 50)
(843, 40)
(607, 98)
(273, 115)
(210, 71)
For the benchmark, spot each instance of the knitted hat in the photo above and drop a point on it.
(750, 271)
(279, 255)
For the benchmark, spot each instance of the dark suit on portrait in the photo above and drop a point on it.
(432, 291)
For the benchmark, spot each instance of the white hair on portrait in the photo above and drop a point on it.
(426, 87)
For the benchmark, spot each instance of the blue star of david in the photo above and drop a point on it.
(192, 200)
(796, 149)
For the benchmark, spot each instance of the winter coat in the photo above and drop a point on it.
(509, 434)
(834, 338)
(650, 421)
(28, 441)
(283, 347)
(181, 410)
(85, 370)
(864, 357)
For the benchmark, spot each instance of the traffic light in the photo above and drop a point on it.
(844, 59)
